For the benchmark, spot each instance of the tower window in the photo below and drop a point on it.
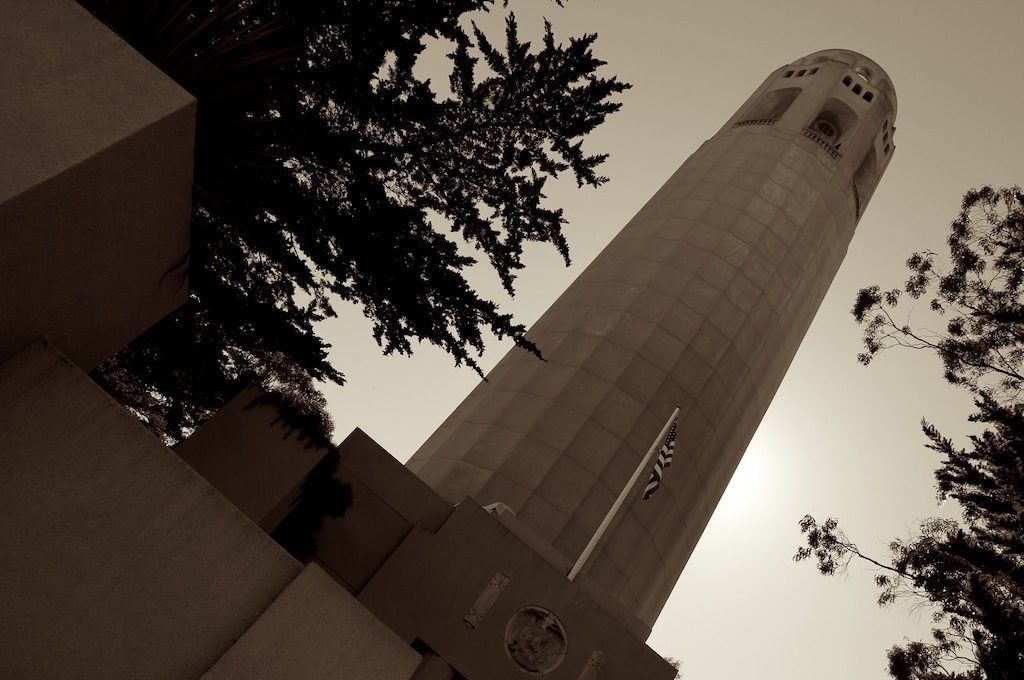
(832, 124)
(847, 81)
(825, 129)
(812, 71)
(800, 72)
(886, 149)
(868, 96)
(787, 74)
(885, 136)
(857, 89)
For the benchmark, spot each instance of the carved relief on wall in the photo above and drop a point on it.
(535, 639)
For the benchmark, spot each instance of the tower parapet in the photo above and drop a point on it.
(702, 301)
(839, 99)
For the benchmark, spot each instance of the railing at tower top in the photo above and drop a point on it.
(823, 143)
(756, 121)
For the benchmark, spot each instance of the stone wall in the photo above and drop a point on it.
(95, 184)
(117, 559)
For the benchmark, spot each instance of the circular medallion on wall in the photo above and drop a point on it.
(535, 640)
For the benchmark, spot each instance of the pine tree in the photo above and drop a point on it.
(327, 169)
(971, 570)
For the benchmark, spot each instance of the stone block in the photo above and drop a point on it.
(689, 258)
(593, 447)
(541, 514)
(661, 348)
(522, 369)
(618, 411)
(652, 305)
(732, 368)
(697, 373)
(576, 349)
(468, 438)
(591, 513)
(601, 322)
(388, 502)
(642, 378)
(694, 423)
(760, 209)
(631, 332)
(743, 293)
(316, 631)
(248, 453)
(608, 360)
(585, 391)
(565, 485)
(646, 569)
(748, 230)
(732, 249)
(568, 318)
(631, 534)
(115, 552)
(701, 296)
(673, 281)
(701, 235)
(773, 192)
(490, 452)
(682, 322)
(727, 317)
(720, 215)
(777, 293)
(558, 425)
(615, 294)
(530, 462)
(709, 344)
(520, 413)
(95, 184)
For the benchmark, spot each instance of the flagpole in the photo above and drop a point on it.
(585, 555)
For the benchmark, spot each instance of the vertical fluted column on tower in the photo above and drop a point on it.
(701, 300)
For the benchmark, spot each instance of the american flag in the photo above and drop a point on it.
(664, 460)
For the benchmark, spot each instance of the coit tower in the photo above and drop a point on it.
(700, 301)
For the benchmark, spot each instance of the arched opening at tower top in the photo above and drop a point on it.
(835, 122)
(772, 105)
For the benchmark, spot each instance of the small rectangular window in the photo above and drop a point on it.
(886, 149)
(800, 73)
(788, 74)
(847, 81)
(885, 136)
(868, 96)
(812, 71)
(857, 89)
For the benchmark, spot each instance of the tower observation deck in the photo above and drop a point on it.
(702, 301)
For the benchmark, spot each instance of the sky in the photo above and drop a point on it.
(839, 439)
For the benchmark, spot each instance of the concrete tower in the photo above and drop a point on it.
(701, 300)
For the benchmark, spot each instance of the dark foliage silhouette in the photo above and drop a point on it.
(971, 570)
(979, 298)
(327, 169)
